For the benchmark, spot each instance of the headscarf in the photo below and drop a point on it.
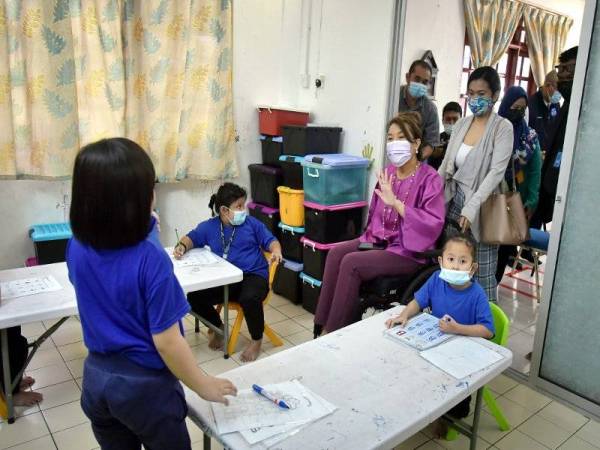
(524, 137)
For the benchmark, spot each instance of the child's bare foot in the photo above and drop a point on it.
(27, 398)
(440, 429)
(215, 340)
(26, 382)
(252, 351)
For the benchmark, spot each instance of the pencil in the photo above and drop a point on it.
(177, 236)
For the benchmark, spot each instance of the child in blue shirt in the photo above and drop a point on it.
(240, 239)
(458, 301)
(130, 304)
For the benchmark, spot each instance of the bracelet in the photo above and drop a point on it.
(181, 243)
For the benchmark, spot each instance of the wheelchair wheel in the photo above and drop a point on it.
(417, 282)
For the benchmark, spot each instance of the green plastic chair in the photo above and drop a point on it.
(502, 326)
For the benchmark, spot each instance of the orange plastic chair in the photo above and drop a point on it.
(3, 407)
(237, 325)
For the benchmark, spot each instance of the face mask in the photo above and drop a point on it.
(515, 115)
(456, 277)
(556, 97)
(565, 88)
(417, 90)
(448, 127)
(239, 217)
(398, 152)
(480, 105)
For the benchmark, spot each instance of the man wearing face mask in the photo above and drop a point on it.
(451, 114)
(555, 138)
(544, 106)
(413, 97)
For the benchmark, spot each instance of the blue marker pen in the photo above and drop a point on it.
(268, 396)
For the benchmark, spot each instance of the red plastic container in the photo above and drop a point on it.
(271, 119)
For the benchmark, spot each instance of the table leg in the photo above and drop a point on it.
(475, 427)
(226, 321)
(8, 395)
(206, 442)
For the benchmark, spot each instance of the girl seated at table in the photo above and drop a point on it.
(455, 298)
(241, 240)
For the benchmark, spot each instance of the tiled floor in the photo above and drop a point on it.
(58, 422)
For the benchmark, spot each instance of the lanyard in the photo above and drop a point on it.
(228, 245)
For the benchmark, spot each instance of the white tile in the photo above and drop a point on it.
(544, 432)
(59, 394)
(563, 417)
(514, 413)
(519, 441)
(64, 416)
(412, 442)
(44, 357)
(431, 445)
(80, 437)
(196, 434)
(79, 382)
(47, 376)
(273, 316)
(76, 367)
(73, 351)
(34, 329)
(502, 384)
(21, 411)
(590, 432)
(218, 366)
(194, 339)
(575, 443)
(214, 445)
(287, 327)
(488, 427)
(270, 349)
(43, 443)
(292, 310)
(23, 430)
(203, 353)
(307, 320)
(462, 443)
(528, 398)
(520, 364)
(520, 343)
(301, 337)
(278, 300)
(68, 333)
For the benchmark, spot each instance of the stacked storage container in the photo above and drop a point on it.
(335, 199)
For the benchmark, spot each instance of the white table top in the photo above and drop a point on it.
(384, 390)
(53, 305)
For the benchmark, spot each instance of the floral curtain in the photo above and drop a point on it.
(491, 25)
(546, 37)
(156, 71)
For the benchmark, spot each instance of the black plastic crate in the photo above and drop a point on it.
(292, 171)
(314, 257)
(310, 140)
(268, 216)
(263, 184)
(290, 242)
(311, 290)
(50, 241)
(287, 282)
(272, 149)
(330, 224)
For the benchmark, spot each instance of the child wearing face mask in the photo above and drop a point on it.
(241, 240)
(455, 298)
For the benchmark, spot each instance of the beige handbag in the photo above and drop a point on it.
(503, 220)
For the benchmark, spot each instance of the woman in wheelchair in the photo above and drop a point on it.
(406, 216)
(240, 239)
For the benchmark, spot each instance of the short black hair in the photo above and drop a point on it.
(112, 194)
(569, 54)
(420, 63)
(452, 107)
(464, 239)
(489, 75)
(225, 196)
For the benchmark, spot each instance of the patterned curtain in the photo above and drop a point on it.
(546, 37)
(156, 71)
(491, 25)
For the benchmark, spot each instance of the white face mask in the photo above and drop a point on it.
(448, 127)
(399, 152)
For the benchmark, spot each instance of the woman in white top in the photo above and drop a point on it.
(474, 165)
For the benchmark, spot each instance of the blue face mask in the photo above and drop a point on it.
(480, 105)
(556, 97)
(456, 277)
(417, 90)
(239, 217)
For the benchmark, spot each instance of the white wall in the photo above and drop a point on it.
(349, 44)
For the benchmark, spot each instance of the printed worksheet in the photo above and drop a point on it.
(29, 286)
(195, 257)
(421, 332)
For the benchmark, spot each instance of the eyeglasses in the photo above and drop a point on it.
(565, 68)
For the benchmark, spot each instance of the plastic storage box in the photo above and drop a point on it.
(263, 184)
(272, 118)
(268, 216)
(314, 257)
(287, 281)
(50, 241)
(311, 289)
(291, 206)
(272, 148)
(310, 140)
(290, 242)
(337, 223)
(292, 171)
(335, 179)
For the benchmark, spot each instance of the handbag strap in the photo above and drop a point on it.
(514, 180)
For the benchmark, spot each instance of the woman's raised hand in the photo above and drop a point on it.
(385, 192)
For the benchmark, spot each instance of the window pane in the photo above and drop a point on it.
(524, 84)
(502, 85)
(519, 66)
(502, 64)
(525, 67)
(463, 82)
(522, 36)
(467, 57)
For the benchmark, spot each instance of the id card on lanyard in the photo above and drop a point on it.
(227, 246)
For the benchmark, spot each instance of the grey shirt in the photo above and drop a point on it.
(429, 117)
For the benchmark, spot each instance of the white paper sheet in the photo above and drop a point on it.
(461, 357)
(421, 332)
(29, 286)
(248, 410)
(195, 257)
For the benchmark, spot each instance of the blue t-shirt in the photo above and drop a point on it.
(467, 307)
(125, 296)
(245, 251)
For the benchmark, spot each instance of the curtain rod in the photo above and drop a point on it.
(542, 8)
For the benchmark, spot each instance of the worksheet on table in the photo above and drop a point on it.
(421, 332)
(29, 286)
(195, 257)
